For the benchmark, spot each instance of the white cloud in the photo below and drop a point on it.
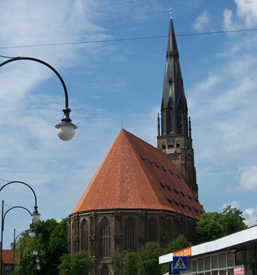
(250, 215)
(248, 178)
(201, 21)
(233, 204)
(247, 11)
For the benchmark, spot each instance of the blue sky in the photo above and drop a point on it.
(121, 80)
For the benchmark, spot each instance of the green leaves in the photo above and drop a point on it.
(214, 225)
(76, 264)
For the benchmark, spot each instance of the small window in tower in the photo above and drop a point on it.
(178, 145)
(163, 146)
(171, 146)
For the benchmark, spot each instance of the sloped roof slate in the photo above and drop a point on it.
(136, 175)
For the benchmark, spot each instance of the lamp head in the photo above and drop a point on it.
(35, 215)
(66, 129)
(32, 232)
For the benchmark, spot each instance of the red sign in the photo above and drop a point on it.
(186, 252)
(239, 270)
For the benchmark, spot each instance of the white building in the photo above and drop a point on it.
(233, 254)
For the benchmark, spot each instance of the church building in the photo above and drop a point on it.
(141, 193)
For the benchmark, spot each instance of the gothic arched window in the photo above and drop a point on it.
(105, 238)
(105, 270)
(84, 235)
(169, 231)
(130, 235)
(152, 230)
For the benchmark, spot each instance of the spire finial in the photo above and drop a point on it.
(170, 11)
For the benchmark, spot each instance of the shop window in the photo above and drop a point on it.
(214, 262)
(240, 257)
(200, 264)
(222, 272)
(222, 260)
(207, 264)
(214, 272)
(230, 259)
(194, 265)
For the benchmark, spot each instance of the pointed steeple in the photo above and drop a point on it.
(174, 103)
(174, 131)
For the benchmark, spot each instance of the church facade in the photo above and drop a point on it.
(141, 193)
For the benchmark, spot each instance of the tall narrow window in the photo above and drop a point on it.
(170, 120)
(130, 235)
(105, 271)
(84, 235)
(180, 120)
(152, 230)
(105, 238)
(169, 231)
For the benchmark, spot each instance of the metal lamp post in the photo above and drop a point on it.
(65, 129)
(32, 232)
(35, 252)
(34, 216)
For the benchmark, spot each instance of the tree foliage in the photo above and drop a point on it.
(131, 263)
(214, 225)
(50, 241)
(148, 262)
(76, 264)
(179, 243)
(117, 259)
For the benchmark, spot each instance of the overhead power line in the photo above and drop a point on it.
(122, 39)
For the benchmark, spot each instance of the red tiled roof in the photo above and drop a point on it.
(136, 175)
(7, 256)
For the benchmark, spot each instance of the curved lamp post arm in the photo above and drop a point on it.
(44, 63)
(65, 129)
(35, 215)
(11, 209)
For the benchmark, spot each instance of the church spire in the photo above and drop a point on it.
(174, 137)
(174, 103)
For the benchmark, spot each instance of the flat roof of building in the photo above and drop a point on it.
(233, 241)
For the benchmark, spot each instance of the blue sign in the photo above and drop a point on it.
(171, 269)
(179, 263)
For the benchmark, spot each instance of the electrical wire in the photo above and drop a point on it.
(120, 39)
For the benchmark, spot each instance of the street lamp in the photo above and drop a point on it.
(32, 232)
(35, 215)
(65, 129)
(35, 252)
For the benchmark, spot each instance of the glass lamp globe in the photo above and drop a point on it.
(66, 131)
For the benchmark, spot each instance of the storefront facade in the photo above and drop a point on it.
(235, 254)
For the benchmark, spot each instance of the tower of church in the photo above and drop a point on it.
(174, 128)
